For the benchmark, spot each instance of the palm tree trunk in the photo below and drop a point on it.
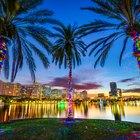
(3, 43)
(70, 109)
(136, 50)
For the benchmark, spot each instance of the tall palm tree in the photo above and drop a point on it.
(68, 49)
(122, 20)
(21, 23)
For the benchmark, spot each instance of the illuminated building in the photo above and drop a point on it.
(100, 95)
(46, 91)
(113, 89)
(83, 94)
(36, 90)
(74, 93)
(56, 94)
(26, 91)
(10, 89)
(119, 92)
(64, 93)
(40, 92)
(23, 91)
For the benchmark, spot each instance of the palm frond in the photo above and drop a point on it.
(6, 65)
(68, 45)
(125, 18)
(19, 21)
(123, 50)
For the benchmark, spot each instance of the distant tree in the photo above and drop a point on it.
(21, 23)
(67, 50)
(123, 20)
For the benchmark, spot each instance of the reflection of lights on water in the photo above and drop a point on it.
(81, 110)
(62, 103)
(9, 110)
(58, 116)
(75, 114)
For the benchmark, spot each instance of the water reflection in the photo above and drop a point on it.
(126, 111)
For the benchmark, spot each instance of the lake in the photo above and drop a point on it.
(124, 111)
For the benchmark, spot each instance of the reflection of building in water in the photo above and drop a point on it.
(85, 105)
(56, 94)
(118, 111)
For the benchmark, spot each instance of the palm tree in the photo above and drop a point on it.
(68, 49)
(123, 21)
(21, 23)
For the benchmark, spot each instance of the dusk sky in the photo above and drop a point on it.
(85, 77)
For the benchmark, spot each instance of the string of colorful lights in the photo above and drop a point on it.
(136, 50)
(70, 112)
(3, 43)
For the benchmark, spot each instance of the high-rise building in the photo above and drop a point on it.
(119, 92)
(46, 91)
(9, 89)
(113, 89)
(56, 94)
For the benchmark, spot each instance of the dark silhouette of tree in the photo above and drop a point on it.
(122, 22)
(21, 25)
(67, 50)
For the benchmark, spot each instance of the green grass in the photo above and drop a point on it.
(55, 129)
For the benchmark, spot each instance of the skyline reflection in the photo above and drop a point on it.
(122, 111)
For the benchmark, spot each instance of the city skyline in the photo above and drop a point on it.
(93, 80)
(9, 88)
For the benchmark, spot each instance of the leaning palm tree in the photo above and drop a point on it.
(68, 49)
(21, 31)
(122, 21)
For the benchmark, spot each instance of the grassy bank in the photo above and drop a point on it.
(57, 129)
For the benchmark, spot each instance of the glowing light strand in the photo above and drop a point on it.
(136, 48)
(3, 43)
(70, 111)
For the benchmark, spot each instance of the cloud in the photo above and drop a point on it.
(134, 84)
(87, 86)
(76, 84)
(134, 90)
(128, 80)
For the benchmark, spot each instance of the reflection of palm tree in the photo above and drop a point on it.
(18, 21)
(116, 111)
(85, 109)
(67, 50)
(122, 109)
(127, 15)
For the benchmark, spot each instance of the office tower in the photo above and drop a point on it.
(113, 88)
(46, 91)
